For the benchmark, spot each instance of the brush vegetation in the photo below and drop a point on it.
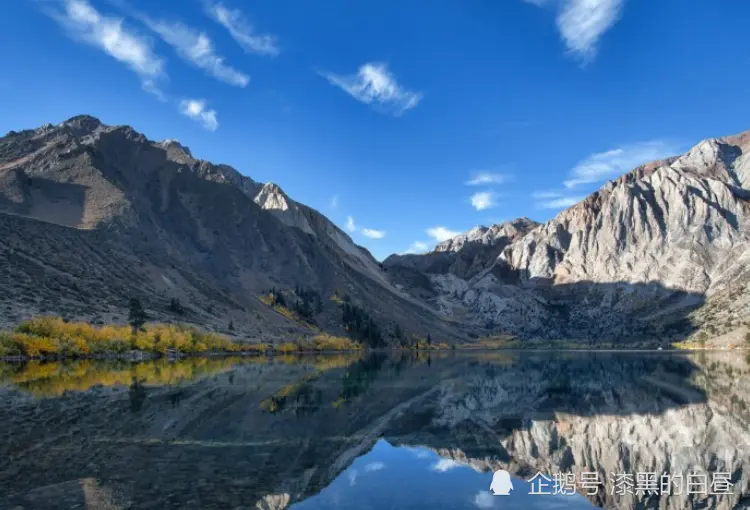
(53, 337)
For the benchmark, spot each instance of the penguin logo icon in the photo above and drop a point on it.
(501, 483)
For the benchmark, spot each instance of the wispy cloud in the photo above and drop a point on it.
(350, 226)
(374, 466)
(538, 195)
(416, 247)
(441, 234)
(373, 84)
(554, 199)
(483, 499)
(196, 110)
(604, 165)
(334, 203)
(372, 233)
(352, 475)
(109, 34)
(482, 178)
(196, 47)
(242, 31)
(444, 465)
(583, 22)
(483, 200)
(560, 203)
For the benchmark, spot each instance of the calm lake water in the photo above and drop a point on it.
(611, 430)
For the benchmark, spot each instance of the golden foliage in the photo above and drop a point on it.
(53, 337)
(267, 299)
(55, 378)
(50, 336)
(326, 342)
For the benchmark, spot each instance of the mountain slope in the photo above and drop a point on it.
(91, 215)
(661, 247)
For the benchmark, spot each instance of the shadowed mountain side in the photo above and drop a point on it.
(43, 199)
(287, 430)
(506, 300)
(157, 224)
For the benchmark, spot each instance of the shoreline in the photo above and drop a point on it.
(140, 356)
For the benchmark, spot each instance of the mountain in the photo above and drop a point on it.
(502, 233)
(92, 215)
(661, 251)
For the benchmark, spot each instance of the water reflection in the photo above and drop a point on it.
(424, 481)
(373, 432)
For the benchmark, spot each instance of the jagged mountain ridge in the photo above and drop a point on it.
(670, 233)
(93, 214)
(661, 250)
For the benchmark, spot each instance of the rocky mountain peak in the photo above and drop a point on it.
(509, 231)
(271, 196)
(176, 145)
(83, 123)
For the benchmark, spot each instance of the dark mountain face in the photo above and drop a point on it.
(91, 215)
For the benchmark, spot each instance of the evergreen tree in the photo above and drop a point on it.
(136, 315)
(231, 325)
(429, 340)
(176, 307)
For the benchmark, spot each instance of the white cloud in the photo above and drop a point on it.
(444, 465)
(484, 499)
(374, 466)
(583, 22)
(242, 31)
(352, 475)
(416, 247)
(334, 203)
(480, 178)
(196, 48)
(372, 233)
(560, 202)
(350, 226)
(546, 194)
(483, 200)
(555, 199)
(375, 85)
(196, 110)
(441, 234)
(604, 165)
(83, 22)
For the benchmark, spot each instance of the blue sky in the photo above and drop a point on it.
(415, 119)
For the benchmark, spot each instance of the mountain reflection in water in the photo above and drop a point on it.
(375, 431)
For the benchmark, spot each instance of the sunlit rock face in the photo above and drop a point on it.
(664, 249)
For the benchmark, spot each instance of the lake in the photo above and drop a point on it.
(573, 430)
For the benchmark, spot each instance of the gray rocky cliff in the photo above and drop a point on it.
(660, 252)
